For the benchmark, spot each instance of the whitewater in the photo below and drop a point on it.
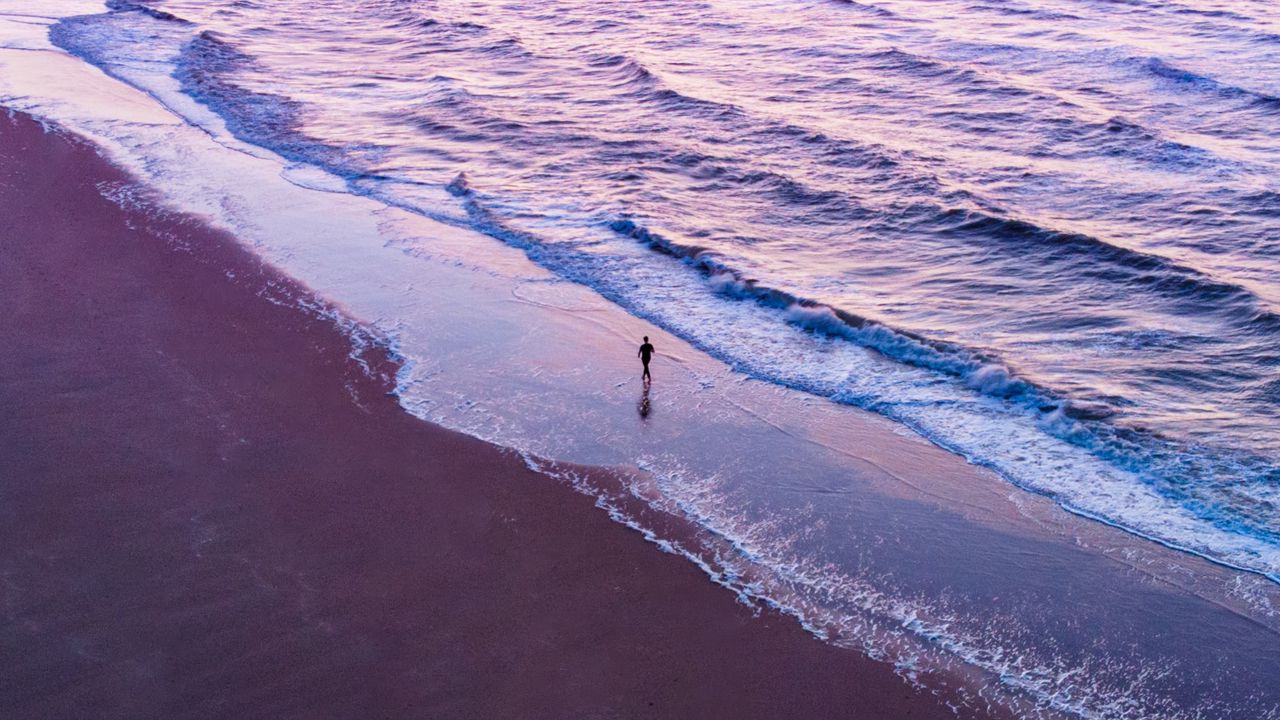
(1058, 221)
(1040, 235)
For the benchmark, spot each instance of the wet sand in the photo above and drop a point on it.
(208, 508)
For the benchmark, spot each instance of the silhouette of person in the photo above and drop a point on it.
(646, 352)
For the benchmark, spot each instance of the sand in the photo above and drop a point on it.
(210, 508)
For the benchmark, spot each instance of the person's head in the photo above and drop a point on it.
(646, 338)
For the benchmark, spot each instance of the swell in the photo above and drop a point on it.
(208, 61)
(1239, 22)
(633, 78)
(413, 21)
(623, 69)
(1121, 137)
(867, 8)
(126, 6)
(206, 68)
(408, 15)
(1058, 116)
(1157, 67)
(970, 79)
(208, 64)
(1120, 267)
(642, 83)
(1022, 11)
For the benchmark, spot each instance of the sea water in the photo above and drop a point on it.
(1038, 234)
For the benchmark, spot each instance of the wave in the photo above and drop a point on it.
(1121, 137)
(208, 65)
(1159, 461)
(840, 152)
(970, 78)
(425, 23)
(978, 370)
(626, 70)
(1023, 11)
(204, 68)
(1089, 257)
(408, 16)
(1116, 135)
(1122, 268)
(1215, 13)
(126, 6)
(689, 105)
(1161, 69)
(1174, 471)
(1265, 203)
(632, 76)
(1162, 463)
(868, 8)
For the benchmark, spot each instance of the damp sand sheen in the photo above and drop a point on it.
(949, 510)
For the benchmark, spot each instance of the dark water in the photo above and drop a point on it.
(1042, 234)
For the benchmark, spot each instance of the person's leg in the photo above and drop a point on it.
(646, 372)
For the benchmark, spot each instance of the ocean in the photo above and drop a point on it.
(1042, 235)
(1057, 221)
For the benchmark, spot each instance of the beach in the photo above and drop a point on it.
(212, 510)
(322, 393)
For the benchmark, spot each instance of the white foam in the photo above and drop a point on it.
(1047, 453)
(481, 358)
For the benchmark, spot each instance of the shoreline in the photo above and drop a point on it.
(217, 510)
(873, 538)
(1057, 453)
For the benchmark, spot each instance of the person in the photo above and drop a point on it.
(646, 352)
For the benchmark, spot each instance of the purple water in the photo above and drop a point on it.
(1043, 235)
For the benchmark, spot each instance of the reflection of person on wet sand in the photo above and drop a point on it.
(646, 352)
(643, 407)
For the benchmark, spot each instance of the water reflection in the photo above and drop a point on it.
(643, 406)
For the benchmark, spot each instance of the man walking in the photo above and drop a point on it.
(646, 352)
